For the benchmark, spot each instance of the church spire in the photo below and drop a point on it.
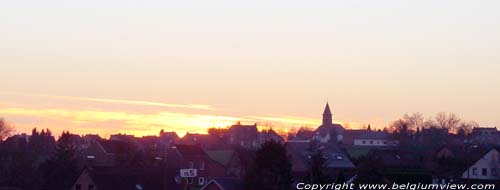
(327, 116)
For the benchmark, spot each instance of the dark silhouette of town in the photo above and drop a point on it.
(445, 149)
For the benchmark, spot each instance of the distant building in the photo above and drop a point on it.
(374, 139)
(269, 135)
(328, 131)
(351, 134)
(485, 135)
(244, 135)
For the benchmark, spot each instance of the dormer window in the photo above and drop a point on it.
(138, 187)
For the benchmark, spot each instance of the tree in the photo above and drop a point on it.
(317, 164)
(61, 170)
(5, 129)
(402, 131)
(414, 120)
(465, 128)
(370, 170)
(271, 169)
(447, 121)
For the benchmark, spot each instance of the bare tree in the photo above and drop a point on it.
(414, 120)
(5, 129)
(466, 127)
(448, 121)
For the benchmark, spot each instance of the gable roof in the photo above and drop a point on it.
(114, 146)
(190, 150)
(374, 135)
(225, 183)
(133, 178)
(221, 156)
(324, 130)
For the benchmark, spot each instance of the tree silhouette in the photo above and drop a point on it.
(370, 170)
(61, 170)
(271, 169)
(317, 163)
(5, 129)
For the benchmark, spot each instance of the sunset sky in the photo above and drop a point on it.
(137, 67)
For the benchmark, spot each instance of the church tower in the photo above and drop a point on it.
(327, 116)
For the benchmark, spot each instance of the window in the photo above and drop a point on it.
(90, 187)
(484, 172)
(202, 165)
(138, 187)
(78, 187)
(201, 181)
(474, 171)
(190, 180)
(191, 164)
(364, 142)
(371, 142)
(494, 172)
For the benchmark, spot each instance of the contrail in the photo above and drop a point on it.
(121, 101)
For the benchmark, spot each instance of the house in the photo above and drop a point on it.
(106, 152)
(15, 142)
(337, 163)
(351, 134)
(485, 135)
(401, 166)
(485, 168)
(194, 157)
(229, 159)
(269, 135)
(168, 138)
(245, 136)
(304, 134)
(105, 178)
(450, 161)
(223, 184)
(328, 131)
(204, 140)
(88, 139)
(374, 139)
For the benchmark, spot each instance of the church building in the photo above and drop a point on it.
(328, 131)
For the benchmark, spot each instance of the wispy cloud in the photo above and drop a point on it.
(120, 101)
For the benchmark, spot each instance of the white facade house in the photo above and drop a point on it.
(375, 139)
(486, 168)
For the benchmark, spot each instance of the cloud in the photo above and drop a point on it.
(121, 101)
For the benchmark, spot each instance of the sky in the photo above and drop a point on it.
(140, 66)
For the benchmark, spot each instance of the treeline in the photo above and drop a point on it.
(40, 163)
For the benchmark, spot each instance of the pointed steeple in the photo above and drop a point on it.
(327, 116)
